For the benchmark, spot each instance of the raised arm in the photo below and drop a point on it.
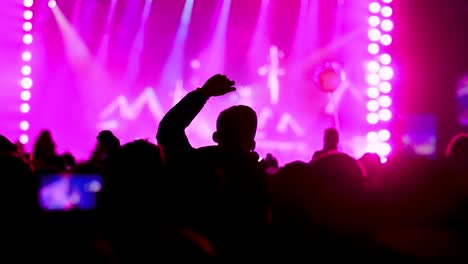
(171, 132)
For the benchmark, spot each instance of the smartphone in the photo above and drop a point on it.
(67, 192)
(419, 135)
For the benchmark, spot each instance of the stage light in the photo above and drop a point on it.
(385, 101)
(373, 92)
(26, 70)
(26, 83)
(374, 7)
(372, 137)
(383, 149)
(28, 3)
(52, 4)
(385, 87)
(385, 59)
(386, 73)
(386, 25)
(384, 135)
(24, 108)
(195, 64)
(372, 118)
(27, 39)
(374, 34)
(373, 79)
(386, 40)
(373, 48)
(379, 75)
(373, 67)
(25, 95)
(26, 56)
(373, 106)
(24, 125)
(27, 26)
(386, 11)
(24, 139)
(28, 15)
(385, 115)
(374, 21)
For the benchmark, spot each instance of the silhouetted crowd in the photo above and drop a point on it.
(171, 201)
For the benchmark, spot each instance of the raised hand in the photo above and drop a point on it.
(218, 85)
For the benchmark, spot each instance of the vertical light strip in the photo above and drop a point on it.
(379, 77)
(26, 82)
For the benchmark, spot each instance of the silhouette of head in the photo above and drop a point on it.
(6, 146)
(44, 146)
(331, 139)
(108, 139)
(236, 128)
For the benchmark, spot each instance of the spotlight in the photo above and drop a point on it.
(52, 3)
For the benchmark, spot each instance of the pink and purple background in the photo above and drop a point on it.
(76, 67)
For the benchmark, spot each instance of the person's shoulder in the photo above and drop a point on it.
(207, 152)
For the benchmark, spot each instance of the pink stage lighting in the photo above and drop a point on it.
(379, 77)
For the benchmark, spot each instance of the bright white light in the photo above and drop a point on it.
(24, 125)
(373, 79)
(27, 39)
(371, 148)
(386, 25)
(384, 135)
(28, 3)
(387, 1)
(26, 83)
(374, 7)
(373, 92)
(385, 59)
(24, 139)
(386, 40)
(27, 26)
(374, 34)
(26, 56)
(373, 66)
(373, 106)
(372, 118)
(385, 115)
(52, 3)
(385, 101)
(385, 87)
(94, 186)
(372, 137)
(374, 21)
(25, 107)
(26, 70)
(384, 149)
(386, 73)
(195, 64)
(28, 15)
(25, 95)
(383, 160)
(386, 11)
(373, 48)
